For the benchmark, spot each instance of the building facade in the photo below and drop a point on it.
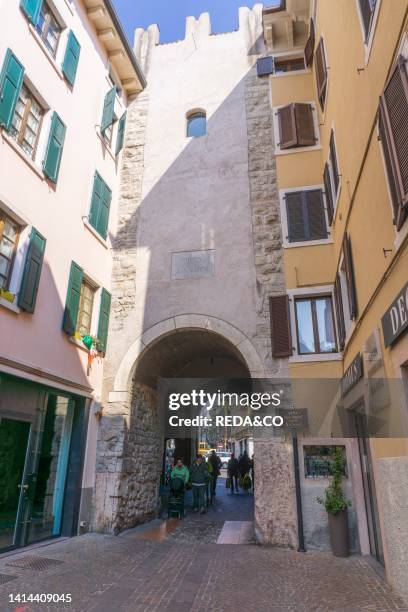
(67, 75)
(340, 104)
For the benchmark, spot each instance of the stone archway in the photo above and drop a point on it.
(131, 432)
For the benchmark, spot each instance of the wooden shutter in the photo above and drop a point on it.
(328, 193)
(287, 127)
(316, 219)
(280, 326)
(333, 161)
(11, 80)
(264, 66)
(393, 126)
(73, 297)
(295, 217)
(351, 287)
(55, 146)
(121, 133)
(100, 206)
(338, 303)
(103, 324)
(27, 295)
(321, 73)
(304, 125)
(32, 9)
(367, 8)
(309, 48)
(71, 58)
(108, 109)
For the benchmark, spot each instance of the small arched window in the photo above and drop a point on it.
(196, 124)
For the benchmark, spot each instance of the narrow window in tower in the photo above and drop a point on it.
(196, 124)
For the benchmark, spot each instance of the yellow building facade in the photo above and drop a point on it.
(339, 96)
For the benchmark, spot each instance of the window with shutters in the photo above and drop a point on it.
(27, 121)
(48, 28)
(332, 178)
(304, 216)
(100, 206)
(288, 64)
(345, 292)
(321, 73)
(393, 132)
(9, 235)
(86, 304)
(296, 127)
(315, 330)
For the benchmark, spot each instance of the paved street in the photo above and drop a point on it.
(177, 566)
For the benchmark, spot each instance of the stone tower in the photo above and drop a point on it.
(196, 255)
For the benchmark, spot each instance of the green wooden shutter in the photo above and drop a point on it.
(11, 80)
(32, 9)
(108, 109)
(121, 133)
(27, 295)
(71, 58)
(100, 206)
(103, 325)
(73, 296)
(54, 148)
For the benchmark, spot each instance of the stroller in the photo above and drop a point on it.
(176, 498)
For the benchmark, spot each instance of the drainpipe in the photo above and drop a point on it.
(301, 538)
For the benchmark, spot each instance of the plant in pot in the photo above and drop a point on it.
(336, 505)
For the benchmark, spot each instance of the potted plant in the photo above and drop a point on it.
(336, 505)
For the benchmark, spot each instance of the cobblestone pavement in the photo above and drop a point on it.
(188, 572)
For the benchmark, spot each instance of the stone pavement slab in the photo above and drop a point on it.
(111, 573)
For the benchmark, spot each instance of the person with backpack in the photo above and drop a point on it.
(200, 476)
(233, 472)
(215, 463)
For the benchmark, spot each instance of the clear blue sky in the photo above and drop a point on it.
(170, 15)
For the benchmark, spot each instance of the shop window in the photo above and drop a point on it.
(48, 28)
(315, 325)
(196, 125)
(319, 461)
(27, 120)
(9, 233)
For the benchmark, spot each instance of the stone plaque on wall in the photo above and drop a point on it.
(192, 264)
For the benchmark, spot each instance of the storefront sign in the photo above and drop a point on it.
(395, 320)
(352, 375)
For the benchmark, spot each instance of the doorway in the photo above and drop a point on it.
(370, 498)
(33, 470)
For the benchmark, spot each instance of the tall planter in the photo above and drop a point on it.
(339, 533)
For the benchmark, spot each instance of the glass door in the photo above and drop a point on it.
(14, 439)
(46, 480)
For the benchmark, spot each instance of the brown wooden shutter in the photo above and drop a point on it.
(333, 161)
(338, 303)
(351, 286)
(321, 73)
(287, 127)
(316, 219)
(304, 125)
(309, 48)
(393, 126)
(295, 218)
(328, 192)
(280, 326)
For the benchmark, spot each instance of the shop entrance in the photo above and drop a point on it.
(34, 452)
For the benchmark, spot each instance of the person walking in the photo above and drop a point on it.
(233, 472)
(244, 465)
(215, 463)
(180, 471)
(199, 475)
(253, 472)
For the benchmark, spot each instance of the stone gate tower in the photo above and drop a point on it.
(196, 255)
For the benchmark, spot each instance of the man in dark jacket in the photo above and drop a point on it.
(199, 476)
(244, 464)
(215, 462)
(233, 471)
